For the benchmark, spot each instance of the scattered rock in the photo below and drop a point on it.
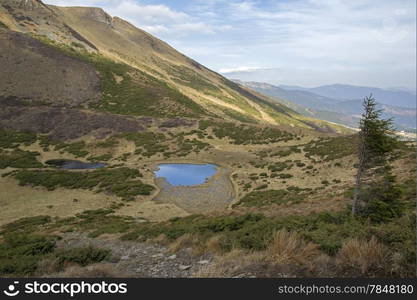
(184, 268)
(204, 262)
(140, 259)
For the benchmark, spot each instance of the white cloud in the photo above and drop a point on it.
(77, 2)
(239, 69)
(148, 14)
(156, 19)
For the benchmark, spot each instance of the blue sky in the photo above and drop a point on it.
(295, 42)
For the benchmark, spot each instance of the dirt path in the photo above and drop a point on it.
(141, 259)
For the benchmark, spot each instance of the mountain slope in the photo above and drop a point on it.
(139, 74)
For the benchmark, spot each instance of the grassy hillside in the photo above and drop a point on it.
(96, 89)
(139, 74)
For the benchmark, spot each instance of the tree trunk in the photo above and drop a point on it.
(357, 190)
(358, 179)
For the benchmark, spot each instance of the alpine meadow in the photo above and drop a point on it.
(122, 157)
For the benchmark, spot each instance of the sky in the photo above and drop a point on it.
(290, 42)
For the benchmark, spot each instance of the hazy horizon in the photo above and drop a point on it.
(280, 84)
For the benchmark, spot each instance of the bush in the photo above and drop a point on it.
(12, 139)
(290, 247)
(20, 253)
(245, 134)
(361, 257)
(333, 148)
(28, 224)
(77, 149)
(262, 198)
(279, 166)
(136, 93)
(118, 181)
(382, 200)
(19, 159)
(82, 256)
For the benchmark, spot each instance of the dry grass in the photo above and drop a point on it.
(290, 256)
(363, 256)
(231, 264)
(100, 270)
(185, 241)
(213, 245)
(289, 247)
(161, 239)
(287, 256)
(24, 201)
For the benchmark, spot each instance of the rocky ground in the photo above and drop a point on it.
(144, 260)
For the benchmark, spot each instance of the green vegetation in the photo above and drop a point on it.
(288, 152)
(2, 25)
(25, 225)
(376, 193)
(77, 149)
(150, 143)
(283, 175)
(239, 116)
(21, 253)
(245, 134)
(97, 222)
(77, 45)
(249, 231)
(329, 149)
(22, 250)
(268, 197)
(118, 181)
(82, 256)
(280, 166)
(129, 91)
(184, 145)
(255, 231)
(12, 139)
(19, 159)
(108, 143)
(104, 157)
(186, 76)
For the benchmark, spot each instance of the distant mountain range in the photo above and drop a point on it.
(342, 103)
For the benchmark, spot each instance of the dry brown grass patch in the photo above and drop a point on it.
(364, 256)
(185, 241)
(290, 247)
(229, 264)
(100, 270)
(213, 244)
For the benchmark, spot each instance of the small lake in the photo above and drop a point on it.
(186, 174)
(74, 164)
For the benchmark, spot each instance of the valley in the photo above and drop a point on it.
(90, 106)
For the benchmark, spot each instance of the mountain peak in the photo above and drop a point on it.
(27, 4)
(93, 13)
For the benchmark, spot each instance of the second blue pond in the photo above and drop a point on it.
(186, 174)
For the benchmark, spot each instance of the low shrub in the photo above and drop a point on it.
(119, 181)
(82, 256)
(19, 159)
(12, 139)
(20, 253)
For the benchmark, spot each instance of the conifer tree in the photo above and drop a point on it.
(375, 191)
